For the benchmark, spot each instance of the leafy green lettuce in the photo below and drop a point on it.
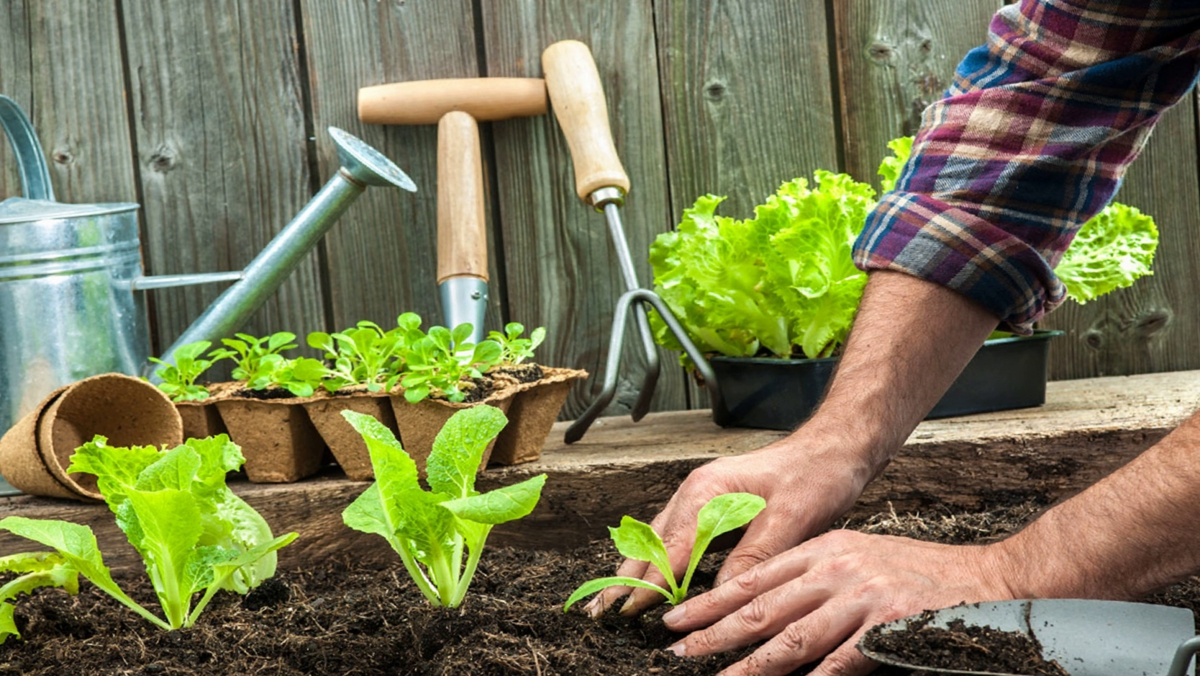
(780, 280)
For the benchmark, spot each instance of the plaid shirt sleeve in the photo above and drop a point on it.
(1030, 142)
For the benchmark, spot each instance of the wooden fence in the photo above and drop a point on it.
(212, 115)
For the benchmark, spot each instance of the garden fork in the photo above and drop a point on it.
(600, 180)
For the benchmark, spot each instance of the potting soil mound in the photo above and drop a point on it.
(960, 647)
(341, 618)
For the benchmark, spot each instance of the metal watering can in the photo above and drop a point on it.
(72, 292)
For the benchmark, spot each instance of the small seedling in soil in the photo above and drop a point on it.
(300, 376)
(363, 355)
(442, 359)
(179, 379)
(513, 348)
(637, 540)
(195, 536)
(34, 570)
(250, 352)
(432, 530)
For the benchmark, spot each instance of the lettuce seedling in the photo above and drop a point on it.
(195, 536)
(513, 348)
(300, 376)
(179, 379)
(249, 352)
(637, 540)
(34, 570)
(431, 529)
(441, 360)
(363, 355)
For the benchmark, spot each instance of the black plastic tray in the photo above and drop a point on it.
(779, 394)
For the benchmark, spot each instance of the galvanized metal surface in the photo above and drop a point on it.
(464, 300)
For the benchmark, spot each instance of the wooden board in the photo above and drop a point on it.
(1155, 324)
(382, 256)
(894, 59)
(1086, 429)
(561, 269)
(220, 141)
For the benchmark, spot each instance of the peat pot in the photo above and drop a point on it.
(779, 394)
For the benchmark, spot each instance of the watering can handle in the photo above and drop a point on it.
(35, 175)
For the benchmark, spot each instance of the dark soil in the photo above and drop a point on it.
(522, 373)
(267, 394)
(958, 646)
(342, 617)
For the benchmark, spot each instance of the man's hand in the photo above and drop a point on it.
(818, 599)
(807, 482)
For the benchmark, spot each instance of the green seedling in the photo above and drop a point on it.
(179, 379)
(249, 352)
(441, 360)
(34, 570)
(300, 376)
(513, 348)
(195, 536)
(432, 530)
(364, 355)
(637, 540)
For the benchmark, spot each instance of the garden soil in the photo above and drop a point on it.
(341, 618)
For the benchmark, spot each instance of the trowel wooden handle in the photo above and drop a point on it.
(462, 226)
(582, 112)
(426, 101)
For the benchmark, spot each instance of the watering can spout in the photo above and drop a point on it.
(361, 166)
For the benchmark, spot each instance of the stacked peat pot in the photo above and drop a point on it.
(285, 412)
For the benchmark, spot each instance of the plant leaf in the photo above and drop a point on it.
(1111, 251)
(637, 540)
(501, 505)
(458, 449)
(593, 586)
(718, 516)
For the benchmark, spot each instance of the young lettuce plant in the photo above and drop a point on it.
(432, 530)
(33, 570)
(195, 536)
(179, 379)
(513, 348)
(360, 356)
(301, 376)
(439, 361)
(637, 540)
(256, 358)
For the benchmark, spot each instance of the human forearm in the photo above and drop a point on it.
(910, 341)
(1127, 535)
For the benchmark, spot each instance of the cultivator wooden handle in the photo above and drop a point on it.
(462, 226)
(426, 101)
(582, 111)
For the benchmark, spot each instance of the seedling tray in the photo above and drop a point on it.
(779, 394)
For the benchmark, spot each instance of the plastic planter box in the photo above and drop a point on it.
(779, 394)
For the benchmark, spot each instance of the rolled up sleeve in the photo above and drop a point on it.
(1030, 142)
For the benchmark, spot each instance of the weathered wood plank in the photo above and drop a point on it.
(561, 269)
(1086, 429)
(1155, 324)
(221, 149)
(747, 102)
(894, 59)
(61, 61)
(382, 255)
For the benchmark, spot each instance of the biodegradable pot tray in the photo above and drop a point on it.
(278, 440)
(419, 423)
(780, 394)
(344, 441)
(534, 408)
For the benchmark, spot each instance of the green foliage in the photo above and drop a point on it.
(34, 570)
(301, 376)
(433, 529)
(781, 279)
(440, 360)
(513, 348)
(179, 379)
(195, 536)
(1111, 251)
(890, 167)
(363, 355)
(638, 541)
(256, 358)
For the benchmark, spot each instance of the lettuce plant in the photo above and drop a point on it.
(637, 540)
(33, 570)
(250, 352)
(179, 379)
(300, 376)
(513, 348)
(363, 355)
(780, 282)
(432, 530)
(440, 360)
(195, 536)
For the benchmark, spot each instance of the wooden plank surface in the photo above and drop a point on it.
(220, 143)
(74, 97)
(382, 256)
(1155, 324)
(1086, 429)
(561, 269)
(894, 59)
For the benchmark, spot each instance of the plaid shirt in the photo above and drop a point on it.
(1030, 142)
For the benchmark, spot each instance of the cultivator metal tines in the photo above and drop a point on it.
(600, 180)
